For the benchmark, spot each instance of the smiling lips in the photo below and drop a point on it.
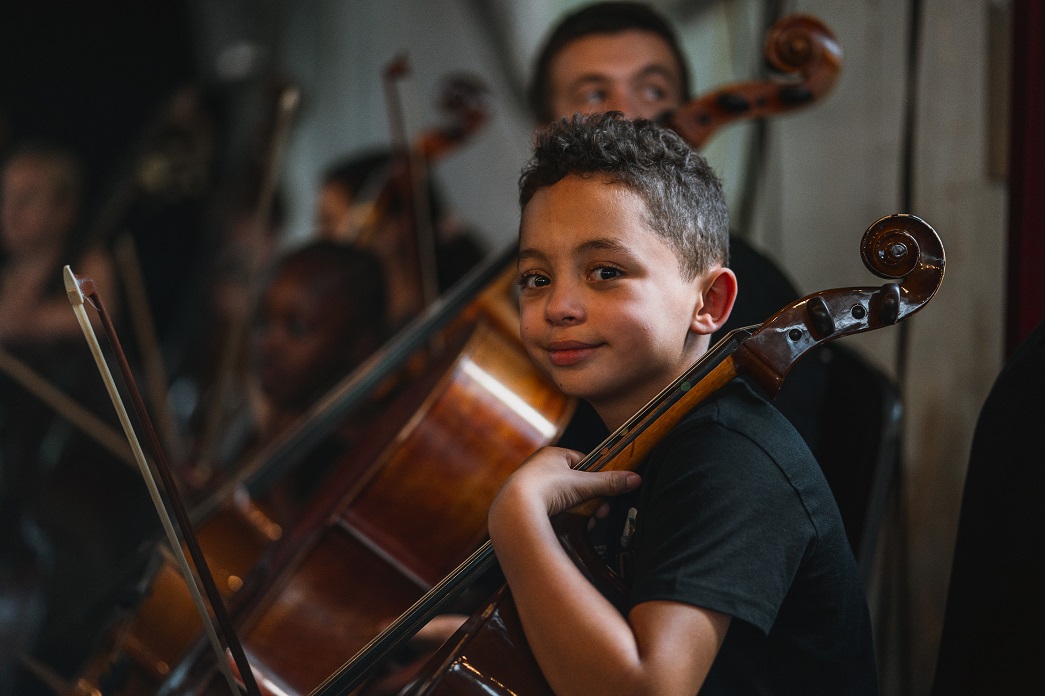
(566, 353)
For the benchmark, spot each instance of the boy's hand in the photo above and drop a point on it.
(548, 480)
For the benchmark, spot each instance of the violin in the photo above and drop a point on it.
(802, 48)
(489, 654)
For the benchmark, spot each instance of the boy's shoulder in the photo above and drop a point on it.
(743, 408)
(739, 436)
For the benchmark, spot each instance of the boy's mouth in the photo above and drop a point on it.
(566, 353)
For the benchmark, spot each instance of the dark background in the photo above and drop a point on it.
(89, 75)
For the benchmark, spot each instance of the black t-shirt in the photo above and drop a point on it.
(734, 515)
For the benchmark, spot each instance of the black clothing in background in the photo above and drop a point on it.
(992, 640)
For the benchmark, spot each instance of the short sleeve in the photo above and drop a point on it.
(719, 526)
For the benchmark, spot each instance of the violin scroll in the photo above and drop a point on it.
(900, 247)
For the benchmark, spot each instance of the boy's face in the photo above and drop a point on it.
(604, 309)
(302, 340)
(632, 71)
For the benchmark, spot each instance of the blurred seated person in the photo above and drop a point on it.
(87, 508)
(359, 202)
(321, 314)
(624, 56)
(991, 640)
(40, 197)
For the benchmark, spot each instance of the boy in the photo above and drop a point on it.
(740, 578)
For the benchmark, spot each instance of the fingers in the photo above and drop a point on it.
(548, 478)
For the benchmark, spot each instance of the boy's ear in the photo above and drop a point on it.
(718, 295)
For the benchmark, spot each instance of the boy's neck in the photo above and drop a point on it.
(616, 414)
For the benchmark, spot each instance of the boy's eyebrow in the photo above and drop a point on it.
(597, 244)
(603, 244)
(527, 255)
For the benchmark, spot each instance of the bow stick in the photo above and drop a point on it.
(81, 290)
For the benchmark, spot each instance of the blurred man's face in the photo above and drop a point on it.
(632, 71)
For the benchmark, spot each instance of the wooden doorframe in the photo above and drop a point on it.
(1025, 292)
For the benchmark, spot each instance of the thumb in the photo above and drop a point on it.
(605, 484)
(619, 482)
(592, 486)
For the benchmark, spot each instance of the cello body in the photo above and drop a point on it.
(409, 507)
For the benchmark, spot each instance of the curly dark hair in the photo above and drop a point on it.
(683, 197)
(597, 18)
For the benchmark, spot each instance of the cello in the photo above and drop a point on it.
(489, 654)
(160, 636)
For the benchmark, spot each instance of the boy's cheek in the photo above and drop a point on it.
(527, 328)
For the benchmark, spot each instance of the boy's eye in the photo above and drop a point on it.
(606, 273)
(533, 280)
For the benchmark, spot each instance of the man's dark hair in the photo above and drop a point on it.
(598, 18)
(683, 197)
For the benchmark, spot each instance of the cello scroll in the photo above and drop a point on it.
(801, 47)
(899, 247)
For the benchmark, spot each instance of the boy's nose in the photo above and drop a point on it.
(564, 306)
